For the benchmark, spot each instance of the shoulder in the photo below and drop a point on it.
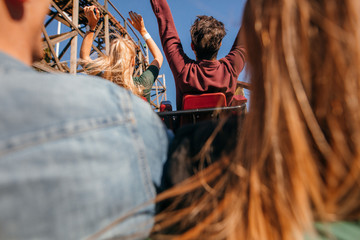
(151, 71)
(152, 68)
(42, 99)
(237, 53)
(148, 77)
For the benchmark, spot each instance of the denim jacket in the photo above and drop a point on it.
(76, 153)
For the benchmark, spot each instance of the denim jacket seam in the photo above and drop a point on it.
(144, 165)
(142, 157)
(53, 133)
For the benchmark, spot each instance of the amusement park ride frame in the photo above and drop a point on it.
(61, 46)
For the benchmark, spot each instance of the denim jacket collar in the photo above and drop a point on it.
(8, 62)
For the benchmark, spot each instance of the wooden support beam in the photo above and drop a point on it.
(55, 15)
(106, 23)
(52, 50)
(137, 72)
(61, 37)
(51, 19)
(160, 82)
(65, 18)
(67, 5)
(43, 66)
(112, 19)
(74, 41)
(62, 20)
(124, 19)
(116, 23)
(157, 94)
(71, 24)
(164, 82)
(98, 30)
(65, 49)
(154, 105)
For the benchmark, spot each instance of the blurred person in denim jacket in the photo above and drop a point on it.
(76, 153)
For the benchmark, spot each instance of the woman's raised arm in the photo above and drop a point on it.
(138, 22)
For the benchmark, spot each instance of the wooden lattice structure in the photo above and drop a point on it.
(158, 91)
(65, 28)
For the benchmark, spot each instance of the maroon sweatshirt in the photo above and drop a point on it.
(196, 77)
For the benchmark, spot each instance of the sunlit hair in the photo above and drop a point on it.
(207, 34)
(117, 66)
(297, 161)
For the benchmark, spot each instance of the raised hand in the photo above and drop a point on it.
(92, 18)
(138, 22)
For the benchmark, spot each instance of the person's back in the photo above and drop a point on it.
(76, 153)
(206, 74)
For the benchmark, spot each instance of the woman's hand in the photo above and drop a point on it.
(93, 15)
(138, 22)
(92, 18)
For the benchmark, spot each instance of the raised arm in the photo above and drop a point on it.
(138, 22)
(240, 39)
(237, 55)
(88, 39)
(169, 37)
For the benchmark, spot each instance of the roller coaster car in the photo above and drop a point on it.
(201, 107)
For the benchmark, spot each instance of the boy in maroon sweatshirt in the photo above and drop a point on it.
(206, 74)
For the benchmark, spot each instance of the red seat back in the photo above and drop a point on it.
(206, 100)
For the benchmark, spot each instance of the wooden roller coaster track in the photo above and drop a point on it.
(66, 25)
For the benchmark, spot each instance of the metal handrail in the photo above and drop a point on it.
(201, 110)
(245, 85)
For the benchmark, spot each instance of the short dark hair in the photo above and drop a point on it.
(206, 36)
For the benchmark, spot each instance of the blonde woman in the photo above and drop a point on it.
(294, 170)
(118, 66)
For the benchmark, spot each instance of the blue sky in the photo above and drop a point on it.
(184, 13)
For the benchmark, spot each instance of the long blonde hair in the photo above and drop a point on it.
(297, 160)
(117, 66)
